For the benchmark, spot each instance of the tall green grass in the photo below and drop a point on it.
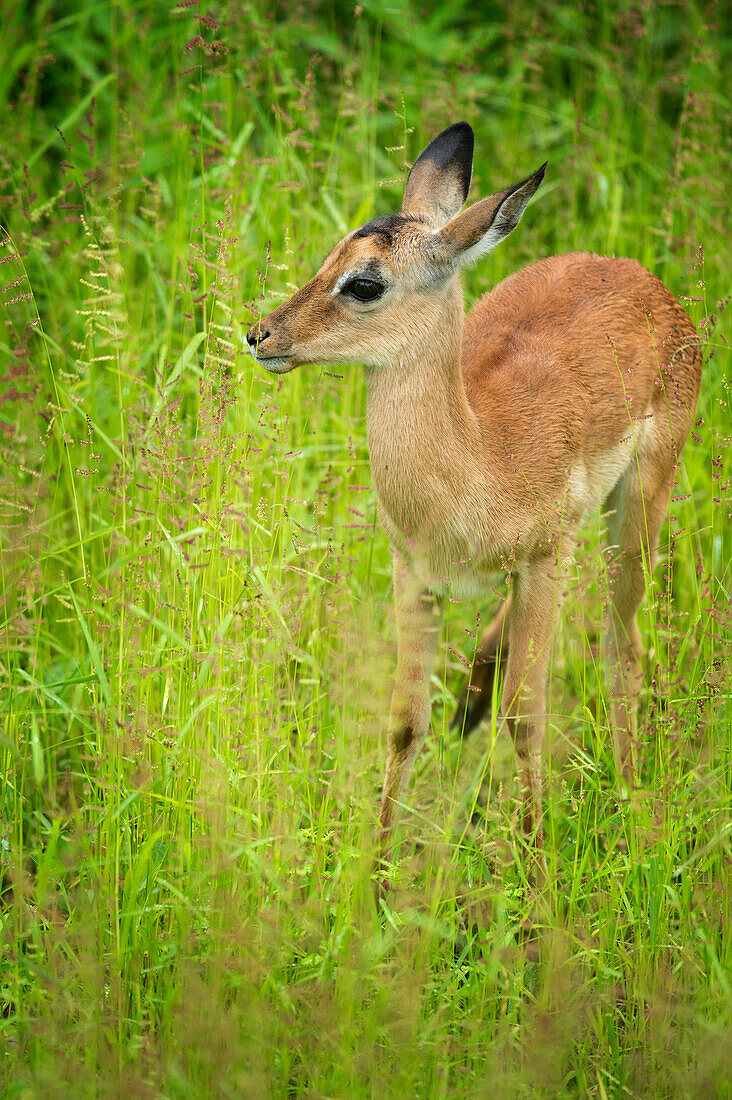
(197, 642)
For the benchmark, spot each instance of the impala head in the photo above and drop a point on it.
(383, 292)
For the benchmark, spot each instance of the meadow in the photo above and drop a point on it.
(197, 641)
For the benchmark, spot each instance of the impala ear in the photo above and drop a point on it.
(478, 229)
(439, 181)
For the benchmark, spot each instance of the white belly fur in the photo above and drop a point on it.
(589, 483)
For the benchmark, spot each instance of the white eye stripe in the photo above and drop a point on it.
(343, 280)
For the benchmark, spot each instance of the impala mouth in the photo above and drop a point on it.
(275, 364)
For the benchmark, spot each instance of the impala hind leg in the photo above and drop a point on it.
(490, 659)
(535, 598)
(418, 616)
(636, 510)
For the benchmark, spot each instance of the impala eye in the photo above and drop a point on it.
(364, 290)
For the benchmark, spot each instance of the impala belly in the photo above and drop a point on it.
(461, 555)
(590, 481)
(457, 551)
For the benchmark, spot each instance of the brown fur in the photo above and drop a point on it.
(572, 383)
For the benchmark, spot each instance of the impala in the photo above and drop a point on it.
(570, 385)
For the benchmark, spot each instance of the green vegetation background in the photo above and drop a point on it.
(197, 640)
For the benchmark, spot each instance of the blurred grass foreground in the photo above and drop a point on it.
(197, 640)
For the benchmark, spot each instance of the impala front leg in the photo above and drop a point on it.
(418, 617)
(535, 598)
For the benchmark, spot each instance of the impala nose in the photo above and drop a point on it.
(256, 336)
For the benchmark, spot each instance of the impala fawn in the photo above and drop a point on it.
(572, 384)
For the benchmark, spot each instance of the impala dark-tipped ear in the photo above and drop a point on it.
(439, 181)
(482, 226)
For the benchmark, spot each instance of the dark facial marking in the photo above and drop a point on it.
(387, 226)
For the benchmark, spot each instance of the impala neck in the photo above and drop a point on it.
(422, 431)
